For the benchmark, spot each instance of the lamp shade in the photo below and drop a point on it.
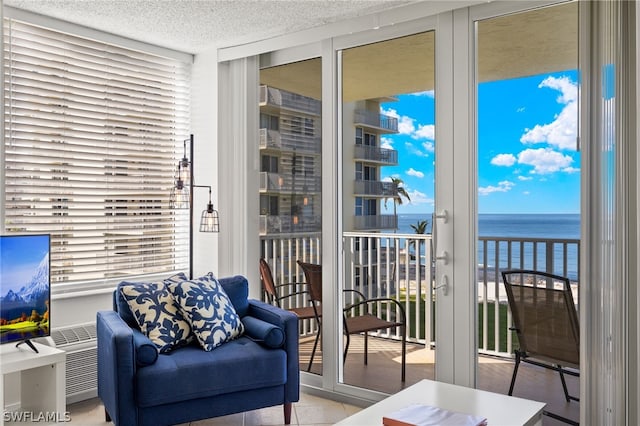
(210, 220)
(179, 198)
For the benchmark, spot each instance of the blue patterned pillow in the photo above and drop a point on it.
(209, 311)
(157, 314)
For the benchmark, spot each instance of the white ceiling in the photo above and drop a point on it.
(195, 25)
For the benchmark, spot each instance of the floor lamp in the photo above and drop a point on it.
(182, 198)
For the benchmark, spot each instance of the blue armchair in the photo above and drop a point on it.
(260, 369)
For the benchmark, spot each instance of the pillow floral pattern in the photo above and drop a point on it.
(157, 314)
(209, 311)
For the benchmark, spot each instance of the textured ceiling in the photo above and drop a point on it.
(196, 25)
(537, 41)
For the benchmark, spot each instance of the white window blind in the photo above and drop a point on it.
(93, 133)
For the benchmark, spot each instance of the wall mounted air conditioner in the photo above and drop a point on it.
(81, 345)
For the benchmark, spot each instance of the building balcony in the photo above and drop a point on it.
(281, 99)
(270, 139)
(375, 222)
(373, 188)
(375, 154)
(374, 120)
(271, 182)
(289, 224)
(292, 142)
(283, 183)
(401, 266)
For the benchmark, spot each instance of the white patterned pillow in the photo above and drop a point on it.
(209, 311)
(157, 314)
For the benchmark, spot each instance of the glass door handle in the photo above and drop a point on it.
(444, 215)
(444, 285)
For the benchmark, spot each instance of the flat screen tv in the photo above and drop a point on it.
(25, 288)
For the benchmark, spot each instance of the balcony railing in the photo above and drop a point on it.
(401, 266)
(271, 182)
(556, 256)
(289, 100)
(376, 154)
(290, 141)
(372, 222)
(288, 224)
(375, 120)
(270, 139)
(286, 183)
(373, 188)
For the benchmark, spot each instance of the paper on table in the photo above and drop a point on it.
(426, 415)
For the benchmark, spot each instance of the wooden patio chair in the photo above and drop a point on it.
(546, 323)
(292, 289)
(360, 317)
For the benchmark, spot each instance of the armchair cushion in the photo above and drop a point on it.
(209, 310)
(157, 314)
(146, 350)
(264, 332)
(192, 373)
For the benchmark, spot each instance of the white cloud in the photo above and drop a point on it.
(411, 149)
(523, 178)
(427, 93)
(525, 193)
(571, 170)
(426, 131)
(562, 131)
(567, 88)
(418, 198)
(416, 173)
(428, 146)
(407, 126)
(507, 160)
(503, 186)
(386, 142)
(544, 160)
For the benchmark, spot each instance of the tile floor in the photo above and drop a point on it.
(310, 410)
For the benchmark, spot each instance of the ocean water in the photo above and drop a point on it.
(566, 226)
(543, 226)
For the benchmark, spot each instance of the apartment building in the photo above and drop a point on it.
(290, 164)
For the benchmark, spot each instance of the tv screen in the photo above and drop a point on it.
(25, 285)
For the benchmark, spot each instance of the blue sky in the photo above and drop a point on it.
(527, 158)
(19, 259)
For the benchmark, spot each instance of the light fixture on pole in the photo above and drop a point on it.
(180, 197)
(210, 219)
(182, 192)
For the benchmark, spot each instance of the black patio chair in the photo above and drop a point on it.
(546, 323)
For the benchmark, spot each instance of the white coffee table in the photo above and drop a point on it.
(500, 410)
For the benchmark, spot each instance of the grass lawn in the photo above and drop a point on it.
(410, 307)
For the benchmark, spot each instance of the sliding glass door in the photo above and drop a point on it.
(528, 180)
(387, 144)
(290, 192)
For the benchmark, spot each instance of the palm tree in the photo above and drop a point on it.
(398, 192)
(420, 227)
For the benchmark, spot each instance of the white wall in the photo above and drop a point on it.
(204, 125)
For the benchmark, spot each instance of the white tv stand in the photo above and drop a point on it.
(42, 383)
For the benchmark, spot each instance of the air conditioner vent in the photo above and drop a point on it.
(77, 334)
(80, 343)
